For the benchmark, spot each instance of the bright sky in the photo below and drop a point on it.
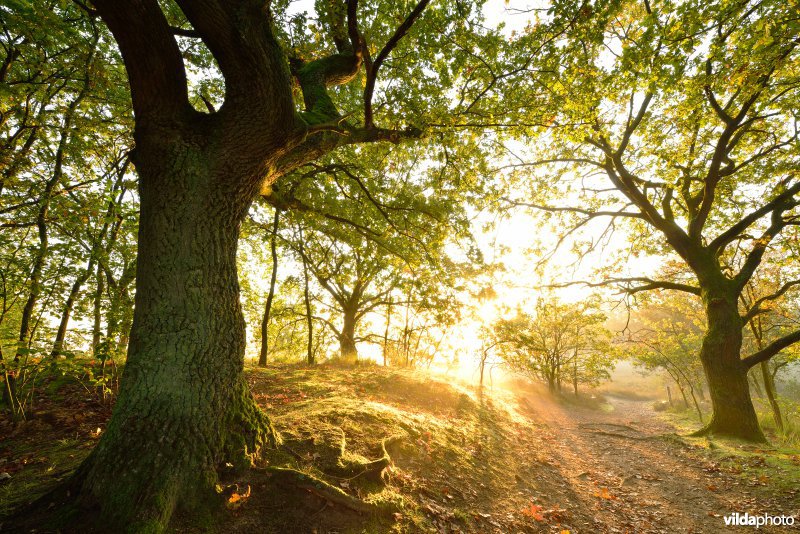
(517, 240)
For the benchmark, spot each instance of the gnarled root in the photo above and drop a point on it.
(320, 488)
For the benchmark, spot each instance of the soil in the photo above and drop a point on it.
(509, 459)
(647, 478)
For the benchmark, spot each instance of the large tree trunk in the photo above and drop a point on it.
(347, 337)
(734, 415)
(184, 408)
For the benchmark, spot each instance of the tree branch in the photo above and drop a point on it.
(372, 72)
(771, 350)
(733, 232)
(755, 309)
(648, 284)
(151, 55)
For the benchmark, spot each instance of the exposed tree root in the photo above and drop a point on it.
(371, 470)
(320, 488)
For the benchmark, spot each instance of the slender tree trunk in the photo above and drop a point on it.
(184, 408)
(98, 311)
(61, 333)
(756, 384)
(683, 394)
(347, 337)
(273, 247)
(386, 333)
(483, 366)
(728, 386)
(120, 309)
(558, 374)
(310, 360)
(696, 405)
(769, 388)
(757, 327)
(575, 374)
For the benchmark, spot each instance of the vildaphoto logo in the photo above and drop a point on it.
(746, 520)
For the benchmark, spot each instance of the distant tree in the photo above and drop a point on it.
(667, 336)
(560, 343)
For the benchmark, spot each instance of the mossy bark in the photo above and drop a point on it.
(184, 408)
(720, 354)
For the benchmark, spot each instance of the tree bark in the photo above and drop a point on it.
(720, 355)
(273, 247)
(347, 337)
(184, 408)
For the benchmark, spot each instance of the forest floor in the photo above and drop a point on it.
(513, 459)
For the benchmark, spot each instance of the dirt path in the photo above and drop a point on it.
(619, 471)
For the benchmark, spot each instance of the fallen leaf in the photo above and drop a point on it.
(603, 493)
(237, 499)
(534, 511)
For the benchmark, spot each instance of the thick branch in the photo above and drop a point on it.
(771, 350)
(151, 55)
(240, 37)
(734, 231)
(755, 309)
(318, 144)
(647, 284)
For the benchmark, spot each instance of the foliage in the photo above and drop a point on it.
(560, 343)
(667, 335)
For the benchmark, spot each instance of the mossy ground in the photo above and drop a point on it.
(772, 466)
(506, 459)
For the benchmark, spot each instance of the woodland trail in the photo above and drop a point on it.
(627, 471)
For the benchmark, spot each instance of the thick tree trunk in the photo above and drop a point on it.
(273, 247)
(184, 408)
(347, 337)
(734, 415)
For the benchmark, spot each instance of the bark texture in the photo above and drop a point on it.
(184, 408)
(720, 355)
(347, 336)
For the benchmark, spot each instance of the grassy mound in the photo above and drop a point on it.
(365, 449)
